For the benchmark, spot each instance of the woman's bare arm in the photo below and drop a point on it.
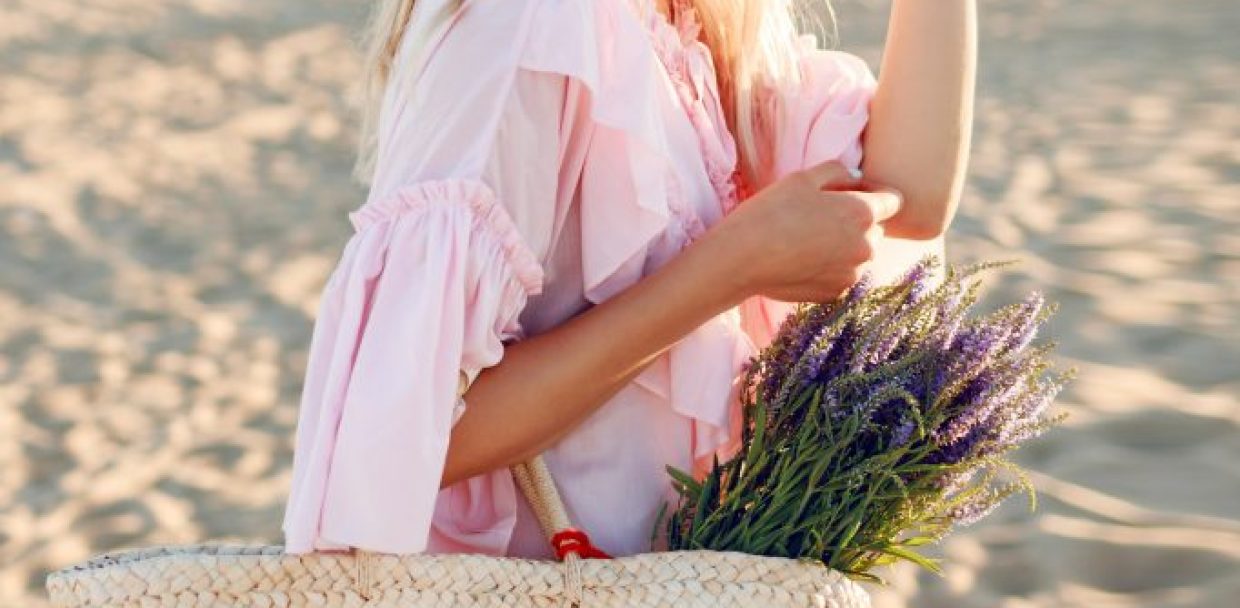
(548, 383)
(917, 140)
(784, 242)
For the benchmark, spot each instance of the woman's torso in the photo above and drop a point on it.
(611, 469)
(640, 171)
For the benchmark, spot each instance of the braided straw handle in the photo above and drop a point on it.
(570, 544)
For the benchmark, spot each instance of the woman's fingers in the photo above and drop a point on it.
(883, 202)
(822, 225)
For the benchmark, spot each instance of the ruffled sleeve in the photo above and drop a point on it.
(821, 118)
(446, 252)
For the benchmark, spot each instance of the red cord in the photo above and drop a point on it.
(572, 540)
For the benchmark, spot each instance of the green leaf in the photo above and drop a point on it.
(915, 557)
(658, 518)
(857, 518)
(758, 442)
(917, 541)
(708, 497)
(865, 577)
(691, 486)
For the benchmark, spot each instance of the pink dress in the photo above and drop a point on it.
(539, 156)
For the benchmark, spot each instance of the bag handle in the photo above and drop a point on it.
(570, 544)
(536, 483)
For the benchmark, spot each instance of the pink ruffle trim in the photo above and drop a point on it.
(489, 215)
(678, 47)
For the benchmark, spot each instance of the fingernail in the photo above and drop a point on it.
(854, 173)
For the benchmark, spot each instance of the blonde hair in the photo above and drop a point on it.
(752, 43)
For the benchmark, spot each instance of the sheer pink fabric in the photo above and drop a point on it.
(540, 156)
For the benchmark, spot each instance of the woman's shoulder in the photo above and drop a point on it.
(473, 47)
(824, 112)
(821, 72)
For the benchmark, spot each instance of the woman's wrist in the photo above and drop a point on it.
(723, 257)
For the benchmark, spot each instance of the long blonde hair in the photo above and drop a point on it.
(752, 43)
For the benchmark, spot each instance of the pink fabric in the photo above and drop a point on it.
(539, 157)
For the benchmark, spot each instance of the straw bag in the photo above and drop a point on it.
(257, 575)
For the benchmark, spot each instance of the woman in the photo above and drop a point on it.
(592, 212)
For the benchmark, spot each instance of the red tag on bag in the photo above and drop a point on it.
(572, 540)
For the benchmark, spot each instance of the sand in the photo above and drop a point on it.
(175, 183)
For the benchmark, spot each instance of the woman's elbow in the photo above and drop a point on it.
(922, 217)
(930, 186)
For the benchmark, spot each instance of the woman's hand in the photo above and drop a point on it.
(807, 236)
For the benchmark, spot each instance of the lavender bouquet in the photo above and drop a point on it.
(876, 423)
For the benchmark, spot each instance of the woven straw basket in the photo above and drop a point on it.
(257, 575)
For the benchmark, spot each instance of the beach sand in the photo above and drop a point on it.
(173, 190)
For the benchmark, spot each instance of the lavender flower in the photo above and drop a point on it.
(1026, 322)
(959, 449)
(903, 432)
(860, 289)
(976, 344)
(972, 511)
(890, 400)
(950, 317)
(918, 279)
(951, 484)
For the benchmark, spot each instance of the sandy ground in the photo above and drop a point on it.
(174, 189)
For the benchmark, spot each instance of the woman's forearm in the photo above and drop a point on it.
(548, 383)
(917, 140)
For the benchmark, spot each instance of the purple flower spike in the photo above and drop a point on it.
(976, 345)
(973, 510)
(903, 432)
(968, 446)
(860, 289)
(949, 318)
(954, 482)
(1027, 322)
(918, 279)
